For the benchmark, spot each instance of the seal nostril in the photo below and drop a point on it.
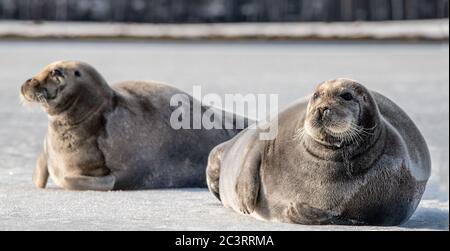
(324, 109)
(33, 82)
(324, 112)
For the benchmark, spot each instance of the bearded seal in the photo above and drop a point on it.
(116, 138)
(345, 155)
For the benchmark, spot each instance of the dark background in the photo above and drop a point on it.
(198, 11)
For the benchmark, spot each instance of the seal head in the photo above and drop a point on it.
(340, 113)
(63, 84)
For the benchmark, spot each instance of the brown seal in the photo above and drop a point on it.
(103, 138)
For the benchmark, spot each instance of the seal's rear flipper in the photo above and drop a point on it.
(104, 183)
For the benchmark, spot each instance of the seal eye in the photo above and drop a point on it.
(347, 96)
(316, 95)
(57, 73)
(77, 74)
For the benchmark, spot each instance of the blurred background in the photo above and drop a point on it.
(286, 47)
(195, 11)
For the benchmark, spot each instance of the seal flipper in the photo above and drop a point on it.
(40, 175)
(248, 182)
(302, 213)
(104, 183)
(213, 169)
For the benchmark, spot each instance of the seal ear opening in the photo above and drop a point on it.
(77, 73)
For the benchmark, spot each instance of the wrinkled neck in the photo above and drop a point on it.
(362, 154)
(81, 107)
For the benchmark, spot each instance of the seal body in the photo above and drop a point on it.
(103, 138)
(318, 170)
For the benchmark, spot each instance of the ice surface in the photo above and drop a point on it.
(414, 75)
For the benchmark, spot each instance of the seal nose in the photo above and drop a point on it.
(22, 88)
(31, 82)
(324, 112)
(30, 85)
(34, 83)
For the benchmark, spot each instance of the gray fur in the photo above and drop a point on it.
(297, 179)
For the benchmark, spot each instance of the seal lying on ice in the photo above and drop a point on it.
(345, 156)
(103, 138)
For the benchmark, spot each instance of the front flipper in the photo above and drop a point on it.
(103, 183)
(213, 169)
(302, 213)
(248, 181)
(40, 175)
